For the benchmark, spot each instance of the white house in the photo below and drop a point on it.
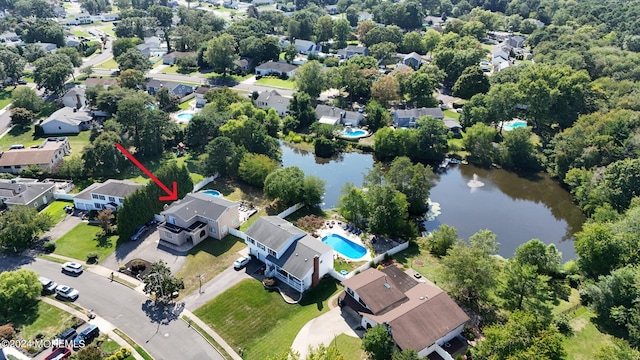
(408, 118)
(333, 116)
(48, 47)
(273, 99)
(109, 17)
(201, 101)
(290, 255)
(418, 315)
(107, 195)
(74, 98)
(262, 2)
(278, 68)
(353, 50)
(46, 156)
(9, 36)
(26, 192)
(66, 121)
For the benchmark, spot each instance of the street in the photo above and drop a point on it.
(159, 331)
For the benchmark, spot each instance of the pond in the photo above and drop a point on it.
(515, 208)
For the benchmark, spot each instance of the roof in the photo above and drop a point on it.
(376, 290)
(111, 187)
(304, 43)
(199, 204)
(177, 54)
(273, 232)
(331, 112)
(413, 55)
(27, 157)
(29, 192)
(278, 66)
(67, 115)
(420, 112)
(203, 89)
(298, 259)
(74, 91)
(355, 48)
(100, 81)
(157, 84)
(273, 97)
(143, 46)
(451, 123)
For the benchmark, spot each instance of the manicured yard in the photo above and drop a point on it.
(46, 319)
(451, 114)
(349, 347)
(83, 239)
(185, 105)
(80, 33)
(108, 30)
(421, 261)
(109, 64)
(278, 83)
(5, 97)
(228, 77)
(586, 340)
(258, 321)
(25, 137)
(209, 258)
(56, 210)
(174, 70)
(134, 174)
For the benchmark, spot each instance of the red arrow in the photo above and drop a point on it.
(171, 195)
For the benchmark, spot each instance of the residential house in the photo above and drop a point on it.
(500, 64)
(273, 99)
(46, 156)
(413, 59)
(107, 195)
(201, 101)
(231, 4)
(418, 315)
(243, 65)
(109, 17)
(433, 21)
(145, 49)
(196, 217)
(290, 255)
(102, 81)
(172, 57)
(67, 120)
(26, 192)
(277, 68)
(262, 2)
(74, 98)
(59, 11)
(331, 115)
(177, 89)
(408, 118)
(353, 50)
(307, 47)
(453, 125)
(331, 9)
(516, 41)
(364, 16)
(501, 50)
(71, 41)
(48, 47)
(9, 36)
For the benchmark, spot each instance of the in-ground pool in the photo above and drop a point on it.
(344, 246)
(215, 193)
(508, 126)
(185, 116)
(354, 133)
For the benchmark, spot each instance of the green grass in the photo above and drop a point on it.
(80, 33)
(134, 174)
(451, 114)
(430, 267)
(185, 105)
(586, 340)
(45, 319)
(26, 137)
(206, 335)
(349, 266)
(109, 346)
(133, 344)
(224, 9)
(209, 258)
(175, 70)
(278, 83)
(229, 77)
(5, 97)
(349, 347)
(109, 64)
(83, 239)
(259, 321)
(108, 30)
(56, 210)
(52, 258)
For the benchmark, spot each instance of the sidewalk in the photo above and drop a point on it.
(213, 334)
(105, 326)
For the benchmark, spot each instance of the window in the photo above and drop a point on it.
(251, 240)
(349, 291)
(202, 233)
(172, 220)
(102, 197)
(167, 234)
(96, 205)
(94, 196)
(112, 199)
(212, 230)
(262, 247)
(272, 253)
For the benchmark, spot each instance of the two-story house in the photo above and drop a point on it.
(196, 217)
(290, 255)
(333, 116)
(46, 156)
(107, 195)
(408, 118)
(273, 99)
(353, 50)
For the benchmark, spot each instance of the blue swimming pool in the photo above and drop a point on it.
(185, 116)
(514, 125)
(354, 133)
(344, 246)
(215, 193)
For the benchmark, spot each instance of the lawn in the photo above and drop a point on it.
(175, 70)
(451, 114)
(109, 64)
(108, 30)
(134, 174)
(209, 258)
(25, 137)
(349, 347)
(56, 210)
(185, 105)
(45, 319)
(80, 33)
(5, 97)
(421, 261)
(228, 77)
(278, 83)
(586, 339)
(258, 321)
(83, 239)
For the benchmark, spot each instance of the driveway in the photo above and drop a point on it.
(323, 330)
(62, 227)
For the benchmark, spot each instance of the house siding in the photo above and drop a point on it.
(59, 127)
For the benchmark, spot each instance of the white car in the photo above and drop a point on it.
(48, 285)
(72, 267)
(67, 292)
(241, 262)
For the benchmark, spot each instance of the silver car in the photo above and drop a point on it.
(48, 285)
(67, 292)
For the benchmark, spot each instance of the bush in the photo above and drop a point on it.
(49, 246)
(92, 257)
(125, 351)
(269, 282)
(310, 223)
(7, 331)
(138, 265)
(563, 325)
(468, 333)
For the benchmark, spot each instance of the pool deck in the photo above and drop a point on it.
(338, 230)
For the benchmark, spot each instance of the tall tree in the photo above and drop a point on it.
(285, 185)
(441, 240)
(479, 143)
(52, 71)
(12, 64)
(19, 291)
(385, 90)
(300, 108)
(131, 79)
(101, 157)
(472, 81)
(377, 343)
(26, 98)
(311, 79)
(254, 168)
(353, 205)
(21, 227)
(133, 59)
(221, 53)
(161, 283)
(220, 155)
(522, 288)
(312, 190)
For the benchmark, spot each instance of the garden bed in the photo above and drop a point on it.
(143, 268)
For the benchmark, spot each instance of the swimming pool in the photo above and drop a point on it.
(344, 246)
(185, 116)
(215, 193)
(508, 126)
(354, 133)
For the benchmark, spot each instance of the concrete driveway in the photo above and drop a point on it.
(62, 227)
(322, 330)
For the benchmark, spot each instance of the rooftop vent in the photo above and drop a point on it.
(387, 285)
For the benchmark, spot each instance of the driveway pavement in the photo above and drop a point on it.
(323, 330)
(62, 227)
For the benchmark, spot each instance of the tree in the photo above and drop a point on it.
(105, 218)
(21, 227)
(420, 86)
(377, 116)
(133, 59)
(431, 137)
(101, 157)
(131, 79)
(22, 117)
(389, 212)
(164, 15)
(341, 31)
(312, 190)
(301, 109)
(324, 28)
(479, 143)
(161, 283)
(12, 64)
(619, 350)
(156, 130)
(122, 45)
(412, 42)
(221, 53)
(166, 101)
(285, 185)
(89, 353)
(383, 52)
(43, 30)
(220, 155)
(73, 54)
(87, 71)
(290, 53)
(353, 205)
(517, 150)
(431, 40)
(311, 79)
(406, 354)
(19, 292)
(472, 81)
(522, 288)
(52, 71)
(254, 168)
(441, 240)
(385, 89)
(377, 343)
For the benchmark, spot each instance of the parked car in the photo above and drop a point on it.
(86, 336)
(241, 262)
(67, 292)
(48, 285)
(72, 267)
(59, 354)
(139, 232)
(22, 82)
(68, 335)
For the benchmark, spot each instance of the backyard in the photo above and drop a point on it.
(25, 136)
(258, 321)
(421, 261)
(84, 239)
(56, 210)
(45, 319)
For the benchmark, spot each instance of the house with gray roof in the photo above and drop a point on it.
(333, 116)
(273, 99)
(26, 192)
(196, 217)
(408, 118)
(277, 68)
(413, 59)
(66, 121)
(353, 50)
(290, 254)
(307, 47)
(107, 195)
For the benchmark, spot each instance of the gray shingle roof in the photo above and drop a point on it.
(418, 113)
(204, 205)
(298, 259)
(111, 187)
(273, 231)
(69, 116)
(277, 66)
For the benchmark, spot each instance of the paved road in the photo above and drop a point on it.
(162, 334)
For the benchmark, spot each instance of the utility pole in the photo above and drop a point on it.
(200, 277)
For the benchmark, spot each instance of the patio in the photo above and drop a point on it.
(335, 227)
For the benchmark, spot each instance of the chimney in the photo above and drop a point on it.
(78, 102)
(315, 277)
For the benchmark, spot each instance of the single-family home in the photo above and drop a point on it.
(353, 50)
(109, 17)
(453, 125)
(262, 2)
(48, 47)
(196, 217)
(145, 49)
(408, 118)
(46, 156)
(432, 20)
(500, 64)
(59, 11)
(418, 315)
(71, 41)
(201, 101)
(67, 120)
(177, 89)
(413, 59)
(107, 195)
(501, 50)
(273, 99)
(26, 192)
(231, 4)
(290, 255)
(102, 81)
(9, 36)
(516, 41)
(286, 8)
(243, 64)
(172, 57)
(74, 98)
(333, 116)
(277, 68)
(83, 18)
(331, 9)
(307, 47)
(364, 16)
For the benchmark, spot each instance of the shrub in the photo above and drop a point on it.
(468, 333)
(563, 325)
(310, 223)
(49, 246)
(379, 267)
(92, 257)
(138, 265)
(125, 351)
(119, 354)
(269, 282)
(7, 331)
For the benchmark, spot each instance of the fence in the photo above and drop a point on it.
(238, 233)
(204, 182)
(290, 210)
(367, 265)
(61, 196)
